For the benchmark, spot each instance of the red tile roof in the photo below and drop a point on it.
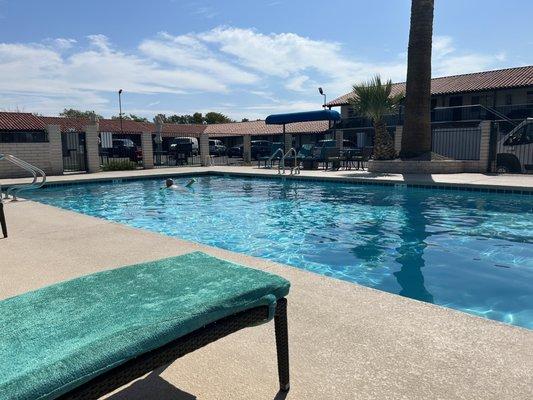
(128, 126)
(27, 121)
(15, 121)
(67, 124)
(172, 130)
(475, 82)
(256, 128)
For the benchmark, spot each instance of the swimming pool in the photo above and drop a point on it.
(469, 251)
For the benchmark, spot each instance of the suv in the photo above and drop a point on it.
(184, 145)
(125, 148)
(515, 150)
(216, 148)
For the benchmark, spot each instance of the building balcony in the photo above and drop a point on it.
(449, 114)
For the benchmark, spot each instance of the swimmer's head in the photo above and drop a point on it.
(169, 182)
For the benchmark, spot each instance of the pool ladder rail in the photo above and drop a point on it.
(295, 168)
(36, 172)
(268, 163)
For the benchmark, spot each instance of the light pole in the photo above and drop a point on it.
(120, 109)
(323, 94)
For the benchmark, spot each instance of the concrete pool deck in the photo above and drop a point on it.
(523, 183)
(346, 341)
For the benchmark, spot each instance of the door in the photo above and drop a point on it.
(74, 152)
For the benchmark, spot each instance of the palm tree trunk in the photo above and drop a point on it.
(383, 145)
(416, 138)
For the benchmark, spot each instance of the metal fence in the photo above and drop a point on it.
(116, 147)
(458, 142)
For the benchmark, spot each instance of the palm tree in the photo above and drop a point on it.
(373, 100)
(416, 137)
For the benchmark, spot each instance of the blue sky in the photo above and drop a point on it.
(241, 58)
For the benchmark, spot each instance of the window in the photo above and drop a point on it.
(474, 100)
(529, 98)
(508, 99)
(433, 103)
(23, 137)
(520, 137)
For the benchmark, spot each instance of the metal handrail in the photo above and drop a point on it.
(296, 166)
(273, 155)
(14, 190)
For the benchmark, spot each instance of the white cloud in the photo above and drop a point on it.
(297, 83)
(61, 43)
(255, 72)
(188, 51)
(447, 60)
(288, 55)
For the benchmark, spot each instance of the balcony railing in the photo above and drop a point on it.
(516, 112)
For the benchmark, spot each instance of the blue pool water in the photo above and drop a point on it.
(466, 250)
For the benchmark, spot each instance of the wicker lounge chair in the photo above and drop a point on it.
(84, 338)
(2, 217)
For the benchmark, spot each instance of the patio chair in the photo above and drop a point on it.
(363, 157)
(86, 337)
(332, 157)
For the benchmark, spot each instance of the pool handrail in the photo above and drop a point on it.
(16, 189)
(269, 160)
(296, 167)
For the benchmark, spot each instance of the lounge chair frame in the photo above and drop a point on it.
(147, 362)
(2, 217)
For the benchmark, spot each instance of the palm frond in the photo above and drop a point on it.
(373, 99)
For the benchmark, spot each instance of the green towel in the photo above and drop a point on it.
(58, 337)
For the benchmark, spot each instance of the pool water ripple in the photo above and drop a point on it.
(469, 251)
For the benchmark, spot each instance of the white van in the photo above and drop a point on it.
(515, 150)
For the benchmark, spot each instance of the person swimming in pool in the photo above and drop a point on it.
(169, 184)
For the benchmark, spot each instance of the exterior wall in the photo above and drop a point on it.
(339, 136)
(398, 138)
(489, 98)
(204, 149)
(148, 150)
(91, 143)
(46, 155)
(287, 142)
(247, 149)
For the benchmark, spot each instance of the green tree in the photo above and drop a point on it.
(197, 118)
(216, 118)
(373, 100)
(163, 117)
(131, 117)
(245, 120)
(73, 113)
(416, 136)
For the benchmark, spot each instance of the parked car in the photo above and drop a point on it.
(216, 148)
(346, 144)
(260, 148)
(126, 148)
(187, 146)
(515, 150)
(236, 151)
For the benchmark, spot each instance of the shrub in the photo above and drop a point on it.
(119, 165)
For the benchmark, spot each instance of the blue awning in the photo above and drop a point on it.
(321, 115)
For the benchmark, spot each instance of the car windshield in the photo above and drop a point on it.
(123, 142)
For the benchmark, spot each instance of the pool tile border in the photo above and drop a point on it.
(353, 181)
